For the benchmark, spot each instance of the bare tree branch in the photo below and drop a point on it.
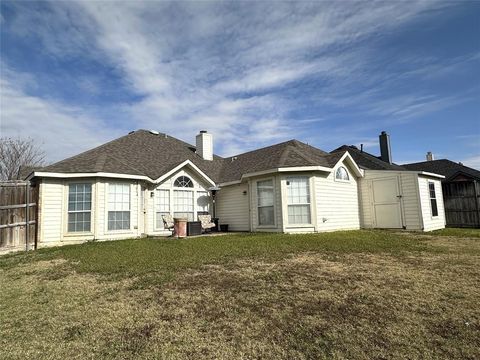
(17, 152)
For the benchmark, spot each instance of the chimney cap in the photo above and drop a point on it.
(203, 131)
(384, 132)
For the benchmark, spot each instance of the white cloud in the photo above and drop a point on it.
(472, 161)
(191, 62)
(60, 130)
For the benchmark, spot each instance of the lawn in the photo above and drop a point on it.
(357, 295)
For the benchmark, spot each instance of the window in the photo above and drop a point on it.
(342, 174)
(118, 206)
(162, 206)
(265, 201)
(183, 181)
(433, 198)
(183, 204)
(298, 199)
(79, 207)
(203, 202)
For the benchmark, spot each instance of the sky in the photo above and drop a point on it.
(74, 75)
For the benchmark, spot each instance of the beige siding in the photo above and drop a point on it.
(337, 202)
(412, 219)
(51, 211)
(232, 207)
(167, 184)
(430, 222)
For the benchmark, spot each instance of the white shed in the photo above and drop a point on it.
(409, 200)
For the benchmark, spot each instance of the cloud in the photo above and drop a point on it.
(472, 161)
(230, 68)
(59, 129)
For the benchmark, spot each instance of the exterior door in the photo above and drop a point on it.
(387, 203)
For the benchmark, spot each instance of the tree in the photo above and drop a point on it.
(16, 152)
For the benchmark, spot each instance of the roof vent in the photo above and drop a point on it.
(154, 132)
(234, 158)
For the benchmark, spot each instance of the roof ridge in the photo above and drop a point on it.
(265, 147)
(290, 148)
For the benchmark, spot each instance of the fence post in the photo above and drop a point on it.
(27, 211)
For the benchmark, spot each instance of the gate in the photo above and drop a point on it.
(18, 215)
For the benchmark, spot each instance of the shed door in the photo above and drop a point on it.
(387, 203)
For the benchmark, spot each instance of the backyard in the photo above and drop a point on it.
(357, 295)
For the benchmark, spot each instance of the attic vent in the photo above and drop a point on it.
(154, 132)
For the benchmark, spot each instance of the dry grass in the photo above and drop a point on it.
(304, 304)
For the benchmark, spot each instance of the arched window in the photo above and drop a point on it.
(183, 181)
(342, 174)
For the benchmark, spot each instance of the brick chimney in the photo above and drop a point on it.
(205, 145)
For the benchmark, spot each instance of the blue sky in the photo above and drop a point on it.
(76, 74)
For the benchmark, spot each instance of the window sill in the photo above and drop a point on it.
(78, 234)
(299, 226)
(113, 232)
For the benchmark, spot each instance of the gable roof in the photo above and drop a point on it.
(444, 167)
(292, 153)
(143, 153)
(366, 160)
(138, 153)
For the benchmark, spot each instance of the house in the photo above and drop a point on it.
(121, 190)
(461, 190)
(392, 196)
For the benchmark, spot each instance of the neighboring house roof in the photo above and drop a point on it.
(24, 171)
(366, 160)
(445, 167)
(147, 154)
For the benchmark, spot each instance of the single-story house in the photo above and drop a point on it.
(122, 188)
(461, 190)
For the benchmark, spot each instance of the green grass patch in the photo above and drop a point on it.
(357, 295)
(458, 232)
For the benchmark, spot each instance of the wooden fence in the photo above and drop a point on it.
(462, 203)
(18, 216)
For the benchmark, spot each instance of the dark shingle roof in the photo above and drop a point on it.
(25, 170)
(138, 153)
(144, 153)
(367, 161)
(444, 167)
(286, 154)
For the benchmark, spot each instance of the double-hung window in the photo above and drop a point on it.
(79, 207)
(265, 202)
(183, 204)
(298, 200)
(433, 198)
(162, 206)
(118, 206)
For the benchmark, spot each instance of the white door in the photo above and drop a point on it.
(387, 203)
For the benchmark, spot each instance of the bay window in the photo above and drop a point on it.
(298, 200)
(265, 202)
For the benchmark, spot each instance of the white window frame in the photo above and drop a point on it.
(430, 198)
(156, 203)
(346, 171)
(309, 203)
(91, 211)
(107, 209)
(266, 226)
(192, 196)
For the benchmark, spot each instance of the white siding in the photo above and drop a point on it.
(337, 202)
(411, 211)
(232, 207)
(429, 222)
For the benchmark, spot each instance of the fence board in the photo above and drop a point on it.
(462, 203)
(14, 234)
